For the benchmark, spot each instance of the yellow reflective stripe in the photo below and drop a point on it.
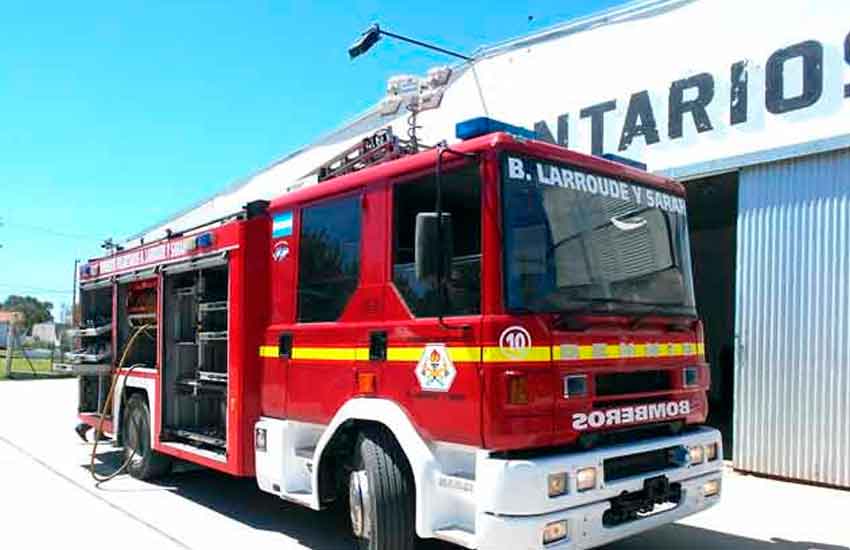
(465, 354)
(494, 354)
(330, 354)
(404, 354)
(602, 350)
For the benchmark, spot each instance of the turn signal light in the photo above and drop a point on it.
(517, 388)
(367, 382)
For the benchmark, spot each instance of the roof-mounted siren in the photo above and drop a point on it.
(480, 126)
(624, 160)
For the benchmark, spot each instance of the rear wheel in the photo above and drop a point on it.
(381, 494)
(145, 463)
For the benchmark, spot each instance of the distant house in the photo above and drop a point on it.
(49, 332)
(6, 318)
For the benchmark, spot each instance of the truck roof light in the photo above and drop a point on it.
(480, 126)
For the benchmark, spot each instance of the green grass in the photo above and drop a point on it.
(20, 366)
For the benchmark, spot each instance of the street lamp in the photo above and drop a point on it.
(373, 34)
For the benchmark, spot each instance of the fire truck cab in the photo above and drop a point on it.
(494, 344)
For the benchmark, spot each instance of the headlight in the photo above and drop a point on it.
(696, 454)
(557, 484)
(586, 479)
(575, 385)
(690, 377)
(260, 439)
(711, 452)
(711, 488)
(555, 531)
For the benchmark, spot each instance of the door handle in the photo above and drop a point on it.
(284, 345)
(378, 345)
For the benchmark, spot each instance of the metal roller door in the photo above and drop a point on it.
(792, 357)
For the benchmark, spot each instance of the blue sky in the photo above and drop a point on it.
(115, 115)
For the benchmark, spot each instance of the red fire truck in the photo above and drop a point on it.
(494, 344)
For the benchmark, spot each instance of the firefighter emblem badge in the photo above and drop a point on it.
(435, 370)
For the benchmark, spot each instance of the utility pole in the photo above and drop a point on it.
(10, 346)
(74, 322)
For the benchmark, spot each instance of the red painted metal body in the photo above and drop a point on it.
(311, 387)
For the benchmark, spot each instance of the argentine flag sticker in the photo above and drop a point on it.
(282, 225)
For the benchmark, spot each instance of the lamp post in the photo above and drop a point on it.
(373, 34)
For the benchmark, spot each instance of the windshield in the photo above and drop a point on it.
(579, 240)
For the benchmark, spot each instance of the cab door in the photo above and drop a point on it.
(434, 352)
(328, 332)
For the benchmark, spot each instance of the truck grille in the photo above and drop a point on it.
(623, 383)
(638, 464)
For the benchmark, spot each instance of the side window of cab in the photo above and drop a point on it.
(329, 258)
(461, 199)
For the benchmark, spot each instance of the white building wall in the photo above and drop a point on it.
(636, 52)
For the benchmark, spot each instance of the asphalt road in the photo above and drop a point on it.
(47, 499)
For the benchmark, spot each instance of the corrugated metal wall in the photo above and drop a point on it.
(792, 360)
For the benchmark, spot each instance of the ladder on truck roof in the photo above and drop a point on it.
(382, 146)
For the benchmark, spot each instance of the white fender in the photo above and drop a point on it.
(146, 384)
(422, 461)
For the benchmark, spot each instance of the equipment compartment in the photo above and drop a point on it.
(195, 369)
(136, 313)
(93, 349)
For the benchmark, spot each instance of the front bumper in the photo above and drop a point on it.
(514, 506)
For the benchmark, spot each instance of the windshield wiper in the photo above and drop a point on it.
(656, 309)
(589, 305)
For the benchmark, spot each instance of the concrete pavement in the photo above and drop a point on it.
(48, 499)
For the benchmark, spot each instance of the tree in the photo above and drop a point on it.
(33, 310)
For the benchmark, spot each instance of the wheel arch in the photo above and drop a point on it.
(128, 389)
(359, 414)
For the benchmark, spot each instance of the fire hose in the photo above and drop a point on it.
(102, 413)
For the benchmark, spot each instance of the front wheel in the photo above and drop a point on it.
(381, 494)
(144, 462)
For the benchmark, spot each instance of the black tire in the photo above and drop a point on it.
(391, 505)
(146, 463)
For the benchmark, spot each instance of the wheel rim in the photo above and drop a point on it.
(134, 447)
(359, 504)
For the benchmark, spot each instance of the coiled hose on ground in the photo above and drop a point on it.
(102, 413)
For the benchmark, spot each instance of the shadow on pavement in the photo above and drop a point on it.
(241, 500)
(678, 537)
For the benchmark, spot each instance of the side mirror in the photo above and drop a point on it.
(428, 245)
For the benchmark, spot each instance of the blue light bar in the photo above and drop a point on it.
(481, 126)
(205, 240)
(623, 160)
